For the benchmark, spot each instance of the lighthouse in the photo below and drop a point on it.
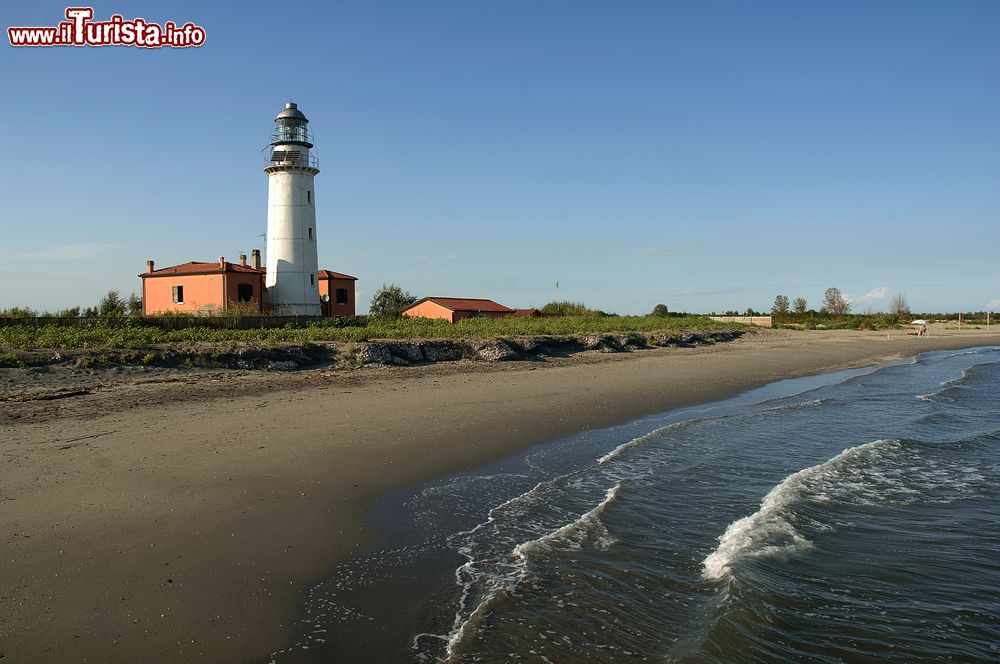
(292, 262)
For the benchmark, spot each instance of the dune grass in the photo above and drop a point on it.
(129, 333)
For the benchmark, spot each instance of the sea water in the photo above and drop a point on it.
(850, 517)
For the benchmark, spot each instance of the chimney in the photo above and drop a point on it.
(243, 260)
(255, 259)
(149, 266)
(222, 262)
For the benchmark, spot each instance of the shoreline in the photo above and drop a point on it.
(186, 529)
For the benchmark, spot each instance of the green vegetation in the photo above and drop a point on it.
(780, 305)
(566, 308)
(660, 310)
(812, 320)
(132, 333)
(390, 301)
(111, 306)
(835, 303)
(8, 360)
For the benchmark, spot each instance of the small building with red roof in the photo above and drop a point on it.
(453, 309)
(204, 288)
(336, 293)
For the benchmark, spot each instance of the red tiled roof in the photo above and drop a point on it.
(466, 304)
(196, 267)
(527, 312)
(330, 274)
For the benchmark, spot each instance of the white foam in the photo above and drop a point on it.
(934, 396)
(584, 522)
(770, 530)
(960, 378)
(652, 435)
(815, 403)
(502, 587)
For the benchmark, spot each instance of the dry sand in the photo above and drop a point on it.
(153, 521)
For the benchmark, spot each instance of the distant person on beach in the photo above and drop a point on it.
(923, 330)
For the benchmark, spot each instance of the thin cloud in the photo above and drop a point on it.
(67, 252)
(994, 304)
(875, 294)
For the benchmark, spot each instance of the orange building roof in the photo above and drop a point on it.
(196, 267)
(527, 312)
(465, 304)
(330, 274)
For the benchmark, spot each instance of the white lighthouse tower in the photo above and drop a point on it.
(292, 262)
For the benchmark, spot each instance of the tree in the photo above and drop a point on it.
(134, 305)
(660, 310)
(111, 305)
(389, 301)
(899, 305)
(799, 305)
(780, 305)
(835, 303)
(18, 312)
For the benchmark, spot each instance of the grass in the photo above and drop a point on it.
(133, 334)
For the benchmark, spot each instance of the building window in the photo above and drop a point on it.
(178, 294)
(244, 293)
(309, 196)
(312, 279)
(310, 233)
(341, 296)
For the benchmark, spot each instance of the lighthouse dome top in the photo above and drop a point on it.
(291, 112)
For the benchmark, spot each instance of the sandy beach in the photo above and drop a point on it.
(177, 515)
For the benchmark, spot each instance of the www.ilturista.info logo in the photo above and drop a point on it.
(80, 30)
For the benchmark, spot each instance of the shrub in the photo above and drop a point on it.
(567, 308)
(389, 301)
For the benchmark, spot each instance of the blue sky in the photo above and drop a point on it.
(707, 155)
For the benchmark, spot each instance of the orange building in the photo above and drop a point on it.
(204, 288)
(336, 293)
(453, 309)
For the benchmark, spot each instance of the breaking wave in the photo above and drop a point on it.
(640, 440)
(815, 403)
(880, 472)
(500, 586)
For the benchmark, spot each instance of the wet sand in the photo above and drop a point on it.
(175, 516)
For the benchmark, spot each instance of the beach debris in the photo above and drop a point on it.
(496, 350)
(406, 350)
(441, 350)
(374, 354)
(632, 340)
(604, 343)
(48, 396)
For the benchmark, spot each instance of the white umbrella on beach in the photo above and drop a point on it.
(919, 321)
